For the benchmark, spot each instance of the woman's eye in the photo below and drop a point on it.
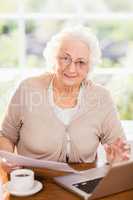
(65, 58)
(81, 62)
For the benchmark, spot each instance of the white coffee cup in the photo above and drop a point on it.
(22, 180)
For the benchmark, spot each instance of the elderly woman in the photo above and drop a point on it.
(62, 115)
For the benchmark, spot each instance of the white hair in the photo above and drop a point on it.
(79, 32)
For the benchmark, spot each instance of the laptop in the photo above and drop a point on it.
(99, 182)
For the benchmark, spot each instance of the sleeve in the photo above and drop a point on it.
(12, 121)
(111, 126)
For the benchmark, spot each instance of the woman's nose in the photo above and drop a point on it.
(72, 67)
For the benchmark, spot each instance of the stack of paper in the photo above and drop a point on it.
(31, 162)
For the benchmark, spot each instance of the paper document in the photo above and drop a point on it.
(31, 162)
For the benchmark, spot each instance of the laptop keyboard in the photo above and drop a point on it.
(88, 186)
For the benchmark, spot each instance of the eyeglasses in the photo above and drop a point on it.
(66, 60)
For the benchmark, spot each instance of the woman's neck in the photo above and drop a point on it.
(65, 96)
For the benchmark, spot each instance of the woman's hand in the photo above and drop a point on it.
(8, 167)
(117, 151)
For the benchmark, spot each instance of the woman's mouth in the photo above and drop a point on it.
(70, 76)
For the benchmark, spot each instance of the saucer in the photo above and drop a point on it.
(36, 188)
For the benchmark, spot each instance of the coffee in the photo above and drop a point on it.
(22, 175)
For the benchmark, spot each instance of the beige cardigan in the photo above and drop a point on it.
(33, 127)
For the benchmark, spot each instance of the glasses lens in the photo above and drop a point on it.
(65, 60)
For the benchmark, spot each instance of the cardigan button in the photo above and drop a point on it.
(66, 128)
(68, 138)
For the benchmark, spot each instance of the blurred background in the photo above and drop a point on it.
(27, 25)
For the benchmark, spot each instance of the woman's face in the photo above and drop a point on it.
(72, 61)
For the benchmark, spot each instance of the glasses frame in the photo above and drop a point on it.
(69, 60)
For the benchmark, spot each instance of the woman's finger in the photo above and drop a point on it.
(120, 142)
(110, 154)
(8, 167)
(126, 156)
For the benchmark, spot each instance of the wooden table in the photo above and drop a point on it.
(51, 191)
